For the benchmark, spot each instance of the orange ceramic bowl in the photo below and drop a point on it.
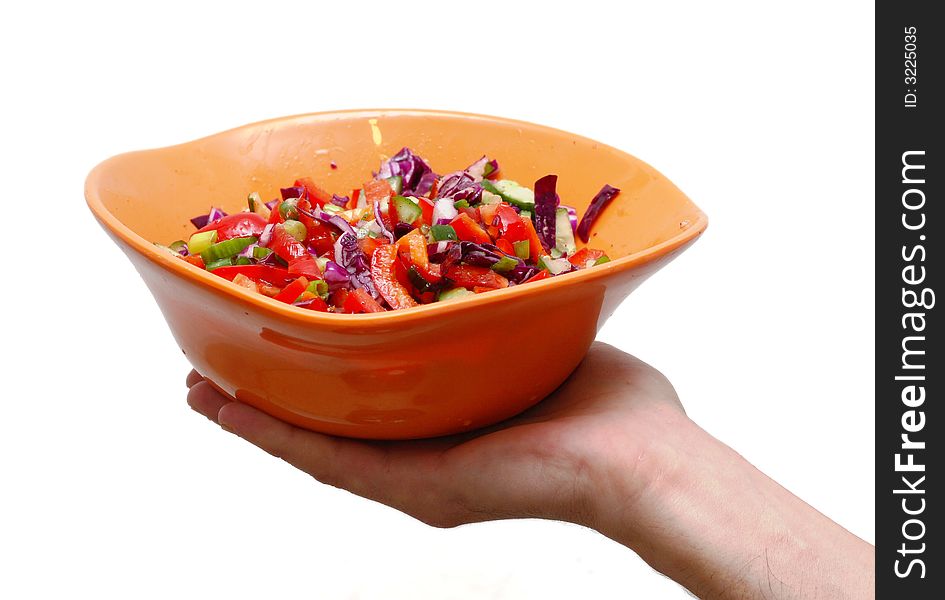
(422, 372)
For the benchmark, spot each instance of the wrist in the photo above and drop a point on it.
(697, 511)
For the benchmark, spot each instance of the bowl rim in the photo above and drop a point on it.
(196, 275)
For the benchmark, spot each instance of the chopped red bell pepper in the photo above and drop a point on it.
(468, 230)
(470, 277)
(543, 274)
(314, 194)
(359, 301)
(505, 246)
(269, 274)
(581, 257)
(535, 247)
(292, 291)
(426, 208)
(413, 248)
(276, 215)
(384, 275)
(312, 302)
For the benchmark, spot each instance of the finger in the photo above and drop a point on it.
(193, 378)
(206, 400)
(397, 474)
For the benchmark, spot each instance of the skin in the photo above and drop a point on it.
(612, 449)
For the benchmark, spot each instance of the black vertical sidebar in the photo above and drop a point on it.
(910, 366)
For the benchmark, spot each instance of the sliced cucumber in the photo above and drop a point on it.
(201, 241)
(454, 294)
(396, 183)
(555, 265)
(408, 211)
(220, 262)
(226, 249)
(511, 192)
(564, 235)
(490, 198)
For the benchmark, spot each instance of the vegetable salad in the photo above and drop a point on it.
(407, 237)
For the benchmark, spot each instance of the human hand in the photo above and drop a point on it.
(543, 463)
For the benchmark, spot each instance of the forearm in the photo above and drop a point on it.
(711, 521)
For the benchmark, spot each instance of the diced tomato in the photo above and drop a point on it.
(510, 223)
(472, 212)
(426, 206)
(505, 246)
(195, 260)
(319, 238)
(368, 245)
(305, 265)
(276, 216)
(487, 213)
(535, 247)
(285, 246)
(468, 230)
(377, 191)
(266, 273)
(315, 194)
(359, 301)
(337, 298)
(244, 281)
(478, 289)
(311, 301)
(269, 290)
(470, 277)
(413, 249)
(581, 257)
(292, 291)
(242, 224)
(383, 274)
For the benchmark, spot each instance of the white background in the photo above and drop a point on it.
(762, 114)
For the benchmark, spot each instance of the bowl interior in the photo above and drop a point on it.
(154, 193)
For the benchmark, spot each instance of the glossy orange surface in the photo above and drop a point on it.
(426, 371)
